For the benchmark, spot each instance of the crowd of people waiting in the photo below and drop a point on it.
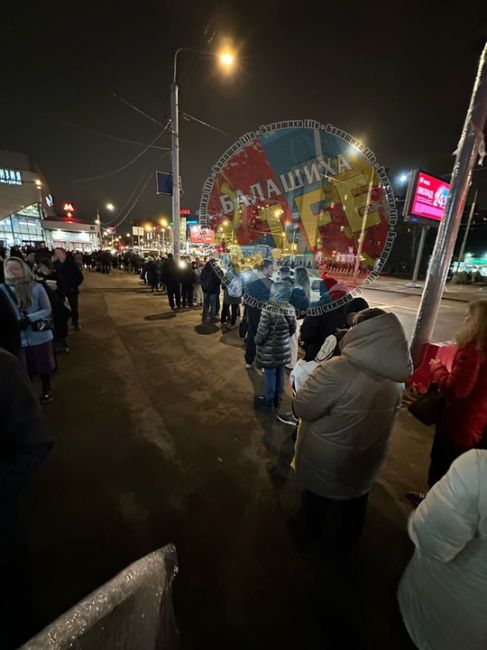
(347, 391)
(39, 293)
(347, 388)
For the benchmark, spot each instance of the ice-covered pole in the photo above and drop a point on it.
(471, 142)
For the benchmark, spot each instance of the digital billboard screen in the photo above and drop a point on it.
(429, 196)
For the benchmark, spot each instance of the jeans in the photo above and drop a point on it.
(209, 304)
(274, 383)
(226, 312)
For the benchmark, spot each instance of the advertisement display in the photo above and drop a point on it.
(428, 196)
(202, 235)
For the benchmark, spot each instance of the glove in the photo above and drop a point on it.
(24, 323)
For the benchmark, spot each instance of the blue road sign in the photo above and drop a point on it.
(164, 183)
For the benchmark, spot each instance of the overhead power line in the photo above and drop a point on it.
(192, 118)
(130, 162)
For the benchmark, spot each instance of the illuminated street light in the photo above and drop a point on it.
(110, 206)
(38, 183)
(403, 178)
(226, 58)
(164, 222)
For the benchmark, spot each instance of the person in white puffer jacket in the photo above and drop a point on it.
(443, 592)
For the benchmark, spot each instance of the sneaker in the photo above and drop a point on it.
(415, 497)
(288, 418)
(46, 398)
(248, 366)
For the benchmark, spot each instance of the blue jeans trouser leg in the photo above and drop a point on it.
(270, 383)
(274, 383)
(279, 382)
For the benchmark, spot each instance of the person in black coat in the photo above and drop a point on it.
(24, 445)
(187, 284)
(210, 283)
(152, 274)
(276, 325)
(69, 277)
(45, 274)
(256, 295)
(172, 279)
(315, 329)
(9, 327)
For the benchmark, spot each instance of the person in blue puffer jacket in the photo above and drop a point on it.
(31, 305)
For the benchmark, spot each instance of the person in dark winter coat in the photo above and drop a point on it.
(172, 279)
(24, 445)
(232, 296)
(277, 323)
(315, 329)
(9, 326)
(463, 423)
(210, 283)
(45, 274)
(24, 442)
(256, 295)
(70, 277)
(187, 283)
(152, 274)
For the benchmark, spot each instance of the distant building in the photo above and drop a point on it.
(27, 214)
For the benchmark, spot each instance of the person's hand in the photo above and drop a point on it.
(435, 364)
(24, 323)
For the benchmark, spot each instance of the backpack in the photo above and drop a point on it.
(235, 287)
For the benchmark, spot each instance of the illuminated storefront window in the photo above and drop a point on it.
(23, 227)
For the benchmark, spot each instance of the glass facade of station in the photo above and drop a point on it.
(24, 228)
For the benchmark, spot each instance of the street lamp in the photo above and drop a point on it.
(226, 59)
(38, 184)
(108, 206)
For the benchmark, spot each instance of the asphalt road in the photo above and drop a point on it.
(450, 317)
(157, 441)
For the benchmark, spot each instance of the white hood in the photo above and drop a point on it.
(379, 345)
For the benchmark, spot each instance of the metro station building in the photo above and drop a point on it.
(27, 214)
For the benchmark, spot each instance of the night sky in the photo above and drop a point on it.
(397, 76)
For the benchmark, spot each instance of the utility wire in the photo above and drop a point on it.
(136, 108)
(141, 191)
(109, 135)
(129, 199)
(82, 127)
(130, 162)
(191, 118)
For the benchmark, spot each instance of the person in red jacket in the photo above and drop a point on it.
(464, 418)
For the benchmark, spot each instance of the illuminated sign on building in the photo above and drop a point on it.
(10, 176)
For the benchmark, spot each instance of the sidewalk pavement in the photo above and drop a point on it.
(157, 441)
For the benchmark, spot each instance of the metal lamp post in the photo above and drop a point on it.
(468, 150)
(227, 59)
